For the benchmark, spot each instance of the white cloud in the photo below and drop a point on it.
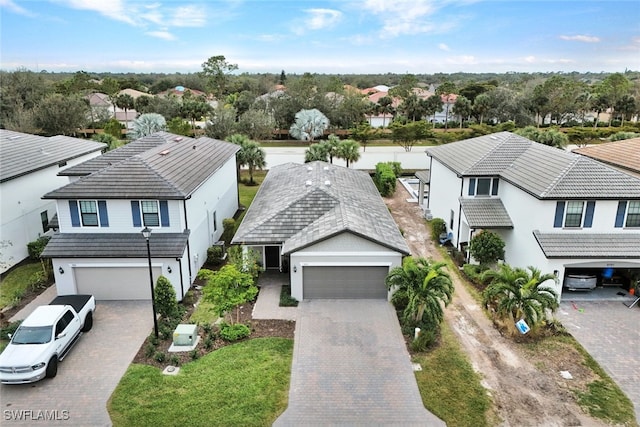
(405, 16)
(444, 47)
(11, 6)
(319, 19)
(188, 16)
(114, 9)
(164, 35)
(581, 38)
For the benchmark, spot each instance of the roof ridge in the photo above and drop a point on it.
(560, 176)
(490, 152)
(159, 175)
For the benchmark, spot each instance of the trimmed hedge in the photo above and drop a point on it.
(385, 179)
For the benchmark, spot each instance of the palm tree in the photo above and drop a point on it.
(126, 102)
(520, 294)
(147, 124)
(349, 150)
(424, 287)
(308, 125)
(331, 145)
(250, 155)
(316, 152)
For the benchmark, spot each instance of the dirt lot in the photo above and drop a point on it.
(525, 391)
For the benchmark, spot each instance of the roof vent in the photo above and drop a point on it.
(308, 183)
(164, 153)
(326, 168)
(309, 168)
(194, 146)
(177, 139)
(327, 183)
(493, 137)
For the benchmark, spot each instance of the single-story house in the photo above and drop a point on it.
(328, 227)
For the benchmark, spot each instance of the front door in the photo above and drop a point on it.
(272, 257)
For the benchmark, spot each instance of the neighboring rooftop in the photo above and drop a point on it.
(543, 171)
(173, 170)
(303, 204)
(23, 153)
(485, 212)
(624, 155)
(589, 245)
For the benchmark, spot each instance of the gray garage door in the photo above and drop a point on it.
(115, 283)
(344, 282)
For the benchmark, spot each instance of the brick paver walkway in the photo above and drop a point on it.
(351, 367)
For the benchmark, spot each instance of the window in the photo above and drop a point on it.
(150, 216)
(483, 186)
(573, 217)
(64, 322)
(44, 219)
(633, 214)
(574, 214)
(89, 213)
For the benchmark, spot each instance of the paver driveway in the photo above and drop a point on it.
(351, 367)
(88, 375)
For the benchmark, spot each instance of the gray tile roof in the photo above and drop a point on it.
(173, 170)
(122, 153)
(485, 213)
(543, 171)
(115, 245)
(585, 245)
(299, 205)
(22, 153)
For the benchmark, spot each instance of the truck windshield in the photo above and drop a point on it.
(32, 335)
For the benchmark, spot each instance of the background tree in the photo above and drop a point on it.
(227, 289)
(147, 124)
(61, 115)
(481, 107)
(486, 247)
(179, 126)
(222, 122)
(125, 102)
(551, 137)
(257, 124)
(113, 128)
(331, 144)
(444, 90)
(316, 152)
(614, 87)
(406, 135)
(404, 89)
(106, 138)
(363, 133)
(110, 87)
(215, 71)
(433, 105)
(349, 151)
(195, 109)
(463, 109)
(308, 125)
(20, 91)
(250, 155)
(385, 107)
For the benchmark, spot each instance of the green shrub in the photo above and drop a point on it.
(385, 179)
(486, 247)
(214, 255)
(208, 343)
(426, 339)
(286, 300)
(438, 226)
(159, 356)
(229, 229)
(194, 354)
(474, 273)
(114, 128)
(149, 350)
(166, 302)
(206, 328)
(36, 247)
(174, 360)
(396, 167)
(247, 261)
(619, 136)
(234, 332)
(9, 328)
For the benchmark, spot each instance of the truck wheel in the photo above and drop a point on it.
(52, 367)
(88, 322)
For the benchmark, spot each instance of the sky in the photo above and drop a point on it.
(333, 37)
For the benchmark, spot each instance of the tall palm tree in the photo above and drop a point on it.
(250, 155)
(349, 150)
(520, 293)
(425, 288)
(331, 145)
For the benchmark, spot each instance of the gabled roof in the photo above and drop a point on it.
(22, 153)
(115, 245)
(302, 204)
(589, 245)
(623, 154)
(485, 213)
(122, 153)
(173, 170)
(543, 171)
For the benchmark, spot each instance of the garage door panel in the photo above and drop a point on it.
(115, 283)
(344, 282)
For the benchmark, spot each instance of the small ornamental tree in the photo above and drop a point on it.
(227, 289)
(166, 302)
(247, 261)
(486, 247)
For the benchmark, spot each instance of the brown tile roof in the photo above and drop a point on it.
(623, 154)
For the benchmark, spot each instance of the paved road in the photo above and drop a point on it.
(610, 332)
(351, 367)
(78, 395)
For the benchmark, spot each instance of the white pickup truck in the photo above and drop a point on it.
(44, 338)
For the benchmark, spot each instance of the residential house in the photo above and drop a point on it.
(623, 155)
(328, 227)
(181, 188)
(29, 165)
(557, 211)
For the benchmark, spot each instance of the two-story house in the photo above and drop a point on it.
(555, 210)
(29, 165)
(181, 188)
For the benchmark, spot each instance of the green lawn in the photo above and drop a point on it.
(17, 283)
(449, 386)
(248, 192)
(244, 384)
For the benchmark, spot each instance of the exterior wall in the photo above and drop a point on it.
(219, 194)
(444, 191)
(21, 206)
(65, 283)
(343, 250)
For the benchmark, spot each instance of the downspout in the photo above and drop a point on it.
(430, 175)
(186, 227)
(459, 213)
(468, 247)
(181, 277)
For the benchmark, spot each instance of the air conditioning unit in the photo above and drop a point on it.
(427, 214)
(185, 335)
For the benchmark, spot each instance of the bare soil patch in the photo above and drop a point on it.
(527, 389)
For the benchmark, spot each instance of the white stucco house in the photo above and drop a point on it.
(558, 211)
(179, 187)
(327, 227)
(29, 165)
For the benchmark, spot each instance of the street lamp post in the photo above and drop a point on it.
(146, 232)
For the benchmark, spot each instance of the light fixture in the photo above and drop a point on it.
(169, 269)
(146, 232)
(295, 269)
(60, 270)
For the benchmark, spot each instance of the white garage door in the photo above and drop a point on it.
(344, 282)
(115, 283)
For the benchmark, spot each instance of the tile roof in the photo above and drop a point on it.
(22, 153)
(543, 171)
(485, 213)
(302, 204)
(623, 154)
(173, 170)
(115, 245)
(122, 153)
(585, 245)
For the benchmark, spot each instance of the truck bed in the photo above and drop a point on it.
(75, 301)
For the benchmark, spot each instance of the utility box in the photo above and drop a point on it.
(185, 335)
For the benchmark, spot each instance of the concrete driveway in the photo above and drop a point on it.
(351, 367)
(610, 332)
(78, 395)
